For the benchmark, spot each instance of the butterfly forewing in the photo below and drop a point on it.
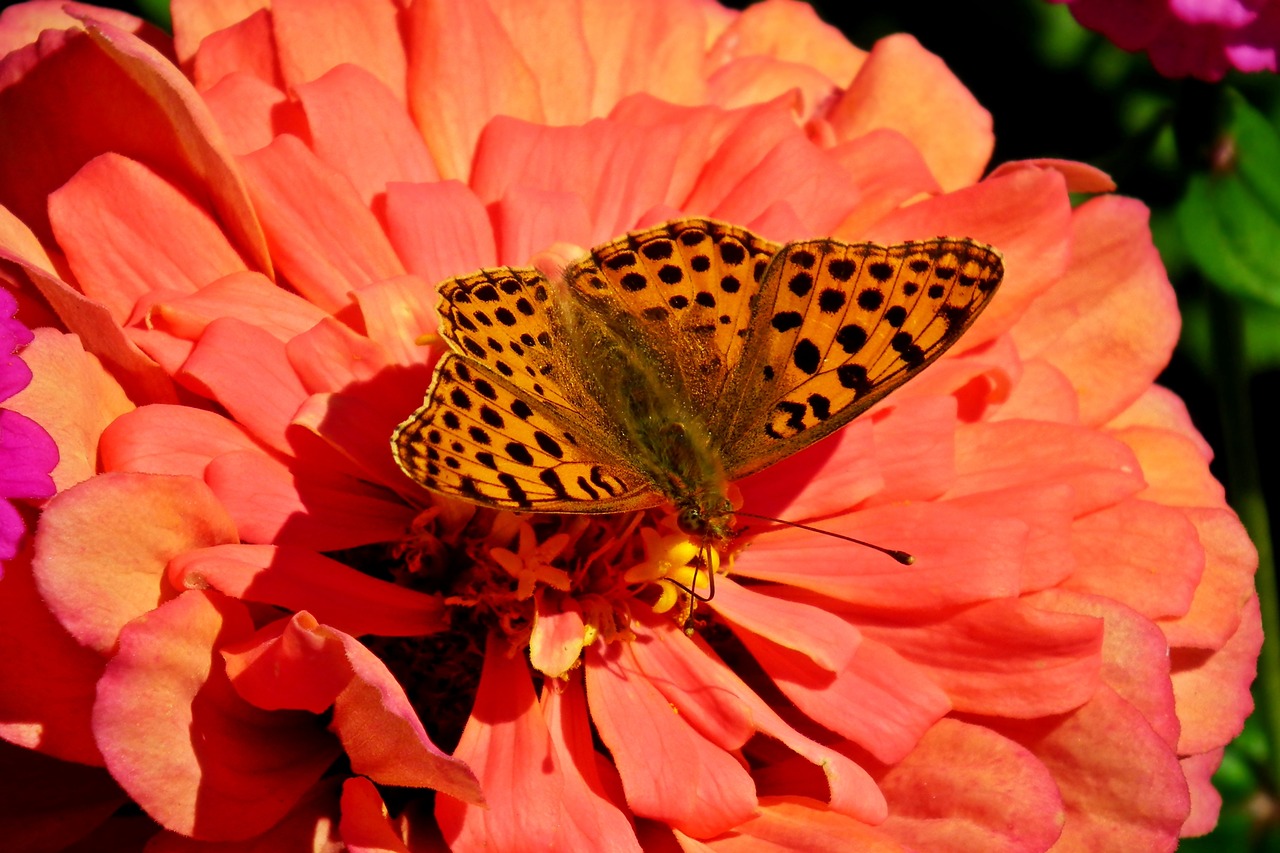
(838, 327)
(683, 294)
(484, 440)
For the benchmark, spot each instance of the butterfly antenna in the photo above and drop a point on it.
(901, 556)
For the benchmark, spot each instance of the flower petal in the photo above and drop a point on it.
(966, 788)
(50, 804)
(199, 759)
(1144, 801)
(439, 229)
(314, 39)
(102, 548)
(1004, 658)
(880, 701)
(106, 219)
(359, 128)
(903, 87)
(297, 579)
(1111, 323)
(383, 737)
(673, 758)
(325, 240)
(554, 809)
(1212, 689)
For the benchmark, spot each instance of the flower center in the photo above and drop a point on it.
(501, 572)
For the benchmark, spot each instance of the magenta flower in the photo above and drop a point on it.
(27, 454)
(1196, 38)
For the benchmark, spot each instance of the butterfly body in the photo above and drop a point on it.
(674, 360)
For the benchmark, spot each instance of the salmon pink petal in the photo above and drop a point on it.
(966, 788)
(1142, 554)
(1206, 801)
(671, 759)
(1174, 466)
(326, 242)
(383, 737)
(396, 314)
(1046, 510)
(788, 823)
(144, 106)
(1080, 177)
(231, 351)
(1212, 688)
(555, 644)
(445, 39)
(21, 24)
(297, 579)
(106, 218)
(50, 804)
(827, 640)
(791, 32)
(554, 809)
(733, 711)
(619, 171)
(1043, 392)
(945, 573)
(270, 504)
(915, 449)
(251, 113)
(49, 678)
(887, 171)
(311, 825)
(1100, 470)
(721, 146)
(527, 221)
(194, 755)
(360, 129)
(1111, 323)
(164, 439)
(356, 423)
(903, 87)
(439, 229)
(291, 664)
(1227, 582)
(194, 21)
(664, 51)
(250, 297)
(1144, 800)
(246, 47)
(796, 170)
(1004, 658)
(72, 398)
(880, 701)
(102, 548)
(1135, 656)
(827, 477)
(365, 33)
(366, 823)
(564, 91)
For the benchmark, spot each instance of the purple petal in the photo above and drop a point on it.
(27, 455)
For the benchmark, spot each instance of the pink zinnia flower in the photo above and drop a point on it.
(27, 454)
(241, 616)
(1189, 38)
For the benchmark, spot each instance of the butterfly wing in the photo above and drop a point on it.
(506, 421)
(483, 439)
(682, 295)
(839, 326)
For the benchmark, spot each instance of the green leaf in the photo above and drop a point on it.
(1230, 217)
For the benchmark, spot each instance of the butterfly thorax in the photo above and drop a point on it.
(656, 426)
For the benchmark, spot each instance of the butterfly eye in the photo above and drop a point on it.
(691, 521)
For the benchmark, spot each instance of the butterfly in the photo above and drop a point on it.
(671, 361)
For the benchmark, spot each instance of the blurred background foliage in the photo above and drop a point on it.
(1206, 159)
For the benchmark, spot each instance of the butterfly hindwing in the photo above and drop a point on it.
(841, 325)
(481, 439)
(505, 319)
(683, 292)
